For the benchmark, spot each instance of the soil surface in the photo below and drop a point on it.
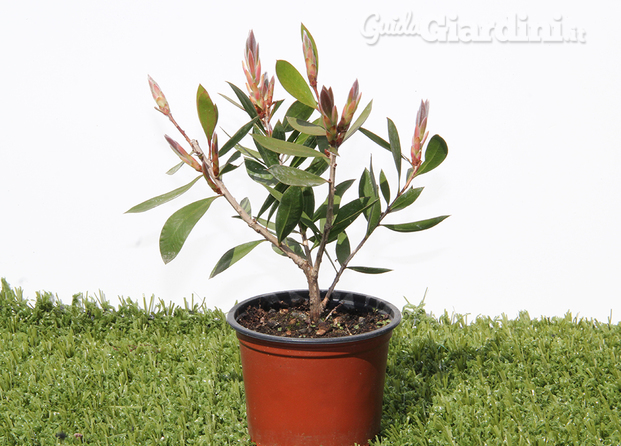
(294, 321)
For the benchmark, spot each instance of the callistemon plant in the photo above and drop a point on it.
(294, 160)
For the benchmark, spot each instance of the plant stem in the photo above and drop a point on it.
(364, 240)
(263, 231)
(316, 305)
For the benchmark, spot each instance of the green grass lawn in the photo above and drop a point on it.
(88, 373)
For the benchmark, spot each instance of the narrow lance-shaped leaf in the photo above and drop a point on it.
(295, 177)
(339, 191)
(347, 215)
(245, 204)
(293, 245)
(277, 195)
(232, 101)
(369, 270)
(229, 166)
(289, 212)
(360, 121)
(293, 82)
(395, 146)
(297, 110)
(237, 137)
(376, 139)
(287, 148)
(406, 199)
(259, 173)
(233, 255)
(343, 248)
(306, 127)
(271, 202)
(178, 227)
(368, 188)
(435, 153)
(173, 170)
(207, 111)
(417, 225)
(266, 155)
(384, 186)
(308, 206)
(245, 101)
(164, 198)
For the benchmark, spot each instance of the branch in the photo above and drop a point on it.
(329, 216)
(301, 262)
(364, 240)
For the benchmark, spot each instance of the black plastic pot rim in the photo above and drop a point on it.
(345, 298)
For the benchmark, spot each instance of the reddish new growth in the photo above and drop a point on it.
(260, 89)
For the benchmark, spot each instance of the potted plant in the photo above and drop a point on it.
(313, 360)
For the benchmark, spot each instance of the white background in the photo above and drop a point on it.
(531, 182)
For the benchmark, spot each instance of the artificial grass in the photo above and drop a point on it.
(170, 375)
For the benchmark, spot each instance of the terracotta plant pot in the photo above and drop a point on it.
(314, 392)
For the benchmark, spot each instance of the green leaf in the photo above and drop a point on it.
(269, 157)
(295, 177)
(237, 137)
(276, 194)
(306, 127)
(233, 255)
(435, 153)
(229, 166)
(178, 227)
(245, 204)
(299, 111)
(343, 248)
(384, 186)
(340, 189)
(259, 173)
(247, 152)
(293, 82)
(369, 270)
(245, 101)
(347, 215)
(279, 131)
(416, 226)
(164, 198)
(376, 139)
(406, 199)
(395, 146)
(318, 166)
(173, 170)
(360, 121)
(322, 144)
(207, 112)
(287, 148)
(368, 188)
(289, 212)
(232, 101)
(308, 201)
(293, 244)
(271, 202)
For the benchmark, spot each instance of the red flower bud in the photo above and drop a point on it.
(420, 134)
(260, 90)
(159, 97)
(213, 156)
(310, 57)
(350, 108)
(329, 114)
(185, 157)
